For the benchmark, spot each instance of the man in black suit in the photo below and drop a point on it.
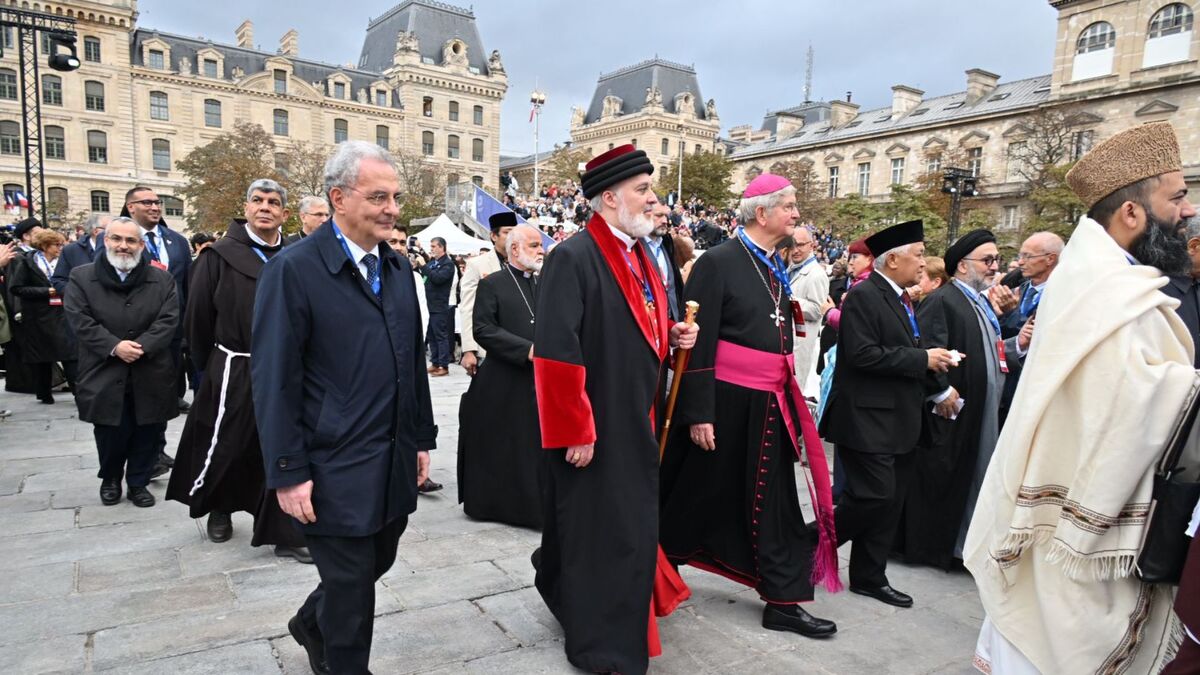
(1186, 288)
(439, 278)
(875, 404)
(661, 248)
(80, 252)
(342, 400)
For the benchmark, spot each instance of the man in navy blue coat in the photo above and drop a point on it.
(439, 279)
(342, 399)
(81, 252)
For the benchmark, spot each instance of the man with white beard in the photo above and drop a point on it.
(124, 313)
(498, 477)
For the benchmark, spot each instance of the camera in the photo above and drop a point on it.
(6, 234)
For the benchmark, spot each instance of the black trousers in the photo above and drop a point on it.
(342, 607)
(129, 449)
(438, 337)
(870, 510)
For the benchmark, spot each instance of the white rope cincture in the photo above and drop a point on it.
(230, 356)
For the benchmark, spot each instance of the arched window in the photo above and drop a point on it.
(212, 113)
(10, 138)
(426, 106)
(158, 106)
(97, 148)
(382, 136)
(341, 131)
(1094, 51)
(477, 180)
(452, 146)
(100, 201)
(1169, 39)
(427, 143)
(52, 90)
(54, 141)
(93, 95)
(281, 122)
(477, 150)
(453, 111)
(8, 84)
(161, 151)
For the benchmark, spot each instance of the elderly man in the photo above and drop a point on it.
(498, 475)
(810, 288)
(342, 400)
(1186, 287)
(313, 212)
(1036, 261)
(477, 268)
(124, 313)
(949, 466)
(439, 275)
(1065, 501)
(875, 404)
(599, 345)
(729, 500)
(80, 252)
(219, 467)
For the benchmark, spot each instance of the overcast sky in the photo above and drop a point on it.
(749, 54)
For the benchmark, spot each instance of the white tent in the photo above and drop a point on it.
(457, 241)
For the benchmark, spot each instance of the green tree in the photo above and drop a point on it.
(854, 216)
(706, 175)
(422, 186)
(219, 172)
(562, 165)
(1056, 208)
(812, 194)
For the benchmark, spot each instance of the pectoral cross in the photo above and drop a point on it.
(777, 317)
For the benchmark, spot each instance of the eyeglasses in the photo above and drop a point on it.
(987, 260)
(379, 198)
(128, 241)
(1029, 256)
(148, 202)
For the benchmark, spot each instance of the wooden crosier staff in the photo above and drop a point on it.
(681, 359)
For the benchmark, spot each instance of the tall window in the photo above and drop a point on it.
(100, 201)
(1081, 143)
(339, 90)
(1169, 39)
(427, 143)
(52, 90)
(478, 115)
(933, 164)
(212, 113)
(975, 161)
(97, 149)
(381, 98)
(93, 95)
(159, 110)
(57, 201)
(426, 106)
(1094, 52)
(1171, 20)
(280, 78)
(91, 49)
(1011, 217)
(833, 181)
(1017, 152)
(897, 170)
(8, 36)
(699, 148)
(161, 150)
(382, 134)
(452, 146)
(55, 142)
(453, 111)
(281, 122)
(633, 142)
(8, 84)
(10, 138)
(864, 178)
(1096, 37)
(341, 131)
(666, 147)
(210, 67)
(156, 59)
(477, 150)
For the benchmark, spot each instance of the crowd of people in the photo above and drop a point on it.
(640, 394)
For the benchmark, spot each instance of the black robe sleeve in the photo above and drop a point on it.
(564, 408)
(200, 317)
(935, 333)
(697, 391)
(491, 335)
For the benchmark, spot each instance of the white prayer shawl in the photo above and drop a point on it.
(1064, 503)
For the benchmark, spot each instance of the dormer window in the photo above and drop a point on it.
(156, 59)
(381, 98)
(280, 78)
(339, 90)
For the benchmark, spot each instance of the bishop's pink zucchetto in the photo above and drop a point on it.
(765, 184)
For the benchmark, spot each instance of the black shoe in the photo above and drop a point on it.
(300, 553)
(47, 399)
(140, 497)
(184, 406)
(166, 460)
(429, 486)
(110, 492)
(220, 527)
(796, 620)
(160, 469)
(885, 594)
(313, 645)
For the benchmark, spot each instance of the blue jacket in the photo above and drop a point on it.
(73, 255)
(340, 388)
(439, 278)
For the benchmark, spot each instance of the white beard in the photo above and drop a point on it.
(635, 225)
(529, 262)
(120, 262)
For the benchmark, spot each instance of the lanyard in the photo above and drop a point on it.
(642, 280)
(806, 263)
(773, 263)
(376, 285)
(260, 254)
(984, 305)
(44, 264)
(912, 318)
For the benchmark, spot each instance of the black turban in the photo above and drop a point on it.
(963, 247)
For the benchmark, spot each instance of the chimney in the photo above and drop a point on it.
(980, 84)
(842, 113)
(786, 125)
(245, 35)
(289, 44)
(905, 99)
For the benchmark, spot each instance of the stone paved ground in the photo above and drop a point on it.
(89, 588)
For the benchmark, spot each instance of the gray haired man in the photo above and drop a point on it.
(313, 211)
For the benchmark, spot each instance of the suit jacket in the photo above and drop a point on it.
(477, 268)
(340, 388)
(73, 255)
(675, 301)
(1186, 291)
(179, 254)
(878, 388)
(439, 278)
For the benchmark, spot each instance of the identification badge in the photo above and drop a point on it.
(798, 318)
(158, 264)
(56, 301)
(1002, 358)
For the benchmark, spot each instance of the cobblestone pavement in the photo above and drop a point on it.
(89, 588)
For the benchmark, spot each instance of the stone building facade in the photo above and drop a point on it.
(143, 99)
(1118, 63)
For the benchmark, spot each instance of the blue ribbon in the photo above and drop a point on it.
(912, 318)
(983, 303)
(1029, 303)
(152, 246)
(376, 286)
(773, 263)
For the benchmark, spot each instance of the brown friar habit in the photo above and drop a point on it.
(499, 446)
(598, 357)
(220, 311)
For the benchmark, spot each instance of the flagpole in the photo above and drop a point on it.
(537, 99)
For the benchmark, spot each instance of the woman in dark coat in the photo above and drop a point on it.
(42, 332)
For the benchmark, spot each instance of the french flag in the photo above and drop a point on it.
(20, 198)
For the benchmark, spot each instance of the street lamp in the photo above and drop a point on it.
(538, 99)
(957, 183)
(682, 148)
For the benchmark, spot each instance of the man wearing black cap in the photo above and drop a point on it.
(874, 409)
(949, 469)
(599, 344)
(477, 268)
(24, 231)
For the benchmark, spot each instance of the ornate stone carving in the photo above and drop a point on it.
(454, 53)
(710, 109)
(683, 104)
(185, 65)
(653, 97)
(577, 116)
(362, 95)
(407, 42)
(494, 64)
(612, 106)
(238, 72)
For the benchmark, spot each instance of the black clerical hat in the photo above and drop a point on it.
(502, 219)
(965, 244)
(895, 236)
(614, 166)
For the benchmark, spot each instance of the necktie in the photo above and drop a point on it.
(371, 262)
(153, 245)
(906, 300)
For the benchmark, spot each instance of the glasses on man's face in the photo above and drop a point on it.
(987, 260)
(1022, 257)
(148, 202)
(379, 198)
(118, 239)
